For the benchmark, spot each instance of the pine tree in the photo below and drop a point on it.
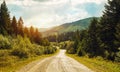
(76, 40)
(26, 32)
(83, 44)
(93, 42)
(107, 26)
(32, 33)
(117, 42)
(4, 19)
(38, 36)
(14, 26)
(20, 26)
(0, 22)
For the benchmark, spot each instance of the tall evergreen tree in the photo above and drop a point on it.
(20, 26)
(76, 41)
(32, 33)
(117, 42)
(93, 42)
(14, 26)
(5, 19)
(108, 23)
(26, 32)
(0, 22)
(83, 43)
(37, 37)
(117, 34)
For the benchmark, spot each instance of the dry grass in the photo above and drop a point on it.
(97, 64)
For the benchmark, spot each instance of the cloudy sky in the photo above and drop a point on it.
(48, 13)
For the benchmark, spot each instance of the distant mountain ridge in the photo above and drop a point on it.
(68, 27)
(44, 29)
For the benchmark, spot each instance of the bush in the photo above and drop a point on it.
(69, 47)
(4, 43)
(22, 47)
(71, 51)
(80, 50)
(49, 49)
(20, 52)
(62, 45)
(117, 57)
(37, 50)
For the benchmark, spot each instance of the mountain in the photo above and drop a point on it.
(44, 29)
(68, 27)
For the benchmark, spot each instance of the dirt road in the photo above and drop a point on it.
(58, 63)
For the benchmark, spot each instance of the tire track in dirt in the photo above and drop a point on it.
(58, 63)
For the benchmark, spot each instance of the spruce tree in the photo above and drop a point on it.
(83, 43)
(32, 33)
(14, 26)
(0, 22)
(93, 42)
(26, 32)
(37, 36)
(117, 42)
(20, 26)
(4, 19)
(76, 41)
(117, 34)
(107, 26)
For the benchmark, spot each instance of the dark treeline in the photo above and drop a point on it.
(13, 27)
(61, 37)
(102, 38)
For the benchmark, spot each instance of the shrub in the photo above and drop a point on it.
(20, 52)
(21, 47)
(80, 50)
(4, 43)
(71, 51)
(117, 58)
(37, 50)
(69, 47)
(49, 49)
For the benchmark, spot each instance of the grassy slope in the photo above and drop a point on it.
(21, 63)
(97, 65)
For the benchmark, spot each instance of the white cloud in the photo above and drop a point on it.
(74, 2)
(50, 13)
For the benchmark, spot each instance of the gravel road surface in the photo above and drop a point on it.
(58, 63)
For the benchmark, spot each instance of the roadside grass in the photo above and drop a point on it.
(97, 64)
(18, 64)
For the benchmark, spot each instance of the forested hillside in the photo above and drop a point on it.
(69, 27)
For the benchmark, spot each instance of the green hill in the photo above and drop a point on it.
(68, 27)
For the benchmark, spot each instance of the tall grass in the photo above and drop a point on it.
(97, 64)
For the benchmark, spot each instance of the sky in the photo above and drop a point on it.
(49, 13)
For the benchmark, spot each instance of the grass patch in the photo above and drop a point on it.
(19, 63)
(97, 64)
